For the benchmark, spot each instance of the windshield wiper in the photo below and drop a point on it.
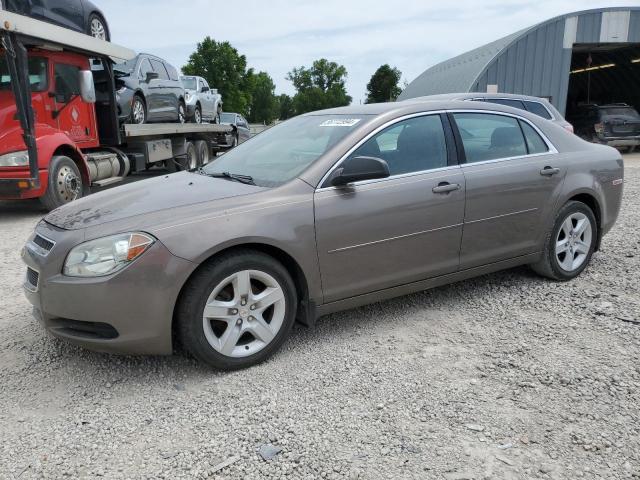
(246, 179)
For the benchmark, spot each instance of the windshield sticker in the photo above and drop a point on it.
(340, 122)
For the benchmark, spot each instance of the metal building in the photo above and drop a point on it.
(584, 57)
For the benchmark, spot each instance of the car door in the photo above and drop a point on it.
(68, 13)
(175, 90)
(513, 180)
(243, 129)
(73, 116)
(379, 234)
(151, 89)
(167, 108)
(207, 99)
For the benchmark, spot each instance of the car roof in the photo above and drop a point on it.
(466, 96)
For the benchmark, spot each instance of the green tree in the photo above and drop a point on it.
(285, 104)
(263, 106)
(384, 85)
(223, 68)
(321, 86)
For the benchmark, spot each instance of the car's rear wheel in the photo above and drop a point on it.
(138, 111)
(237, 310)
(98, 27)
(571, 243)
(65, 183)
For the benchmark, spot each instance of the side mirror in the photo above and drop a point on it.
(357, 169)
(205, 89)
(87, 87)
(152, 76)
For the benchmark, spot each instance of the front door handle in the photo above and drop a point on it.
(446, 187)
(549, 171)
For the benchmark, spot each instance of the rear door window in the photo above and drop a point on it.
(535, 143)
(173, 73)
(487, 136)
(538, 109)
(158, 67)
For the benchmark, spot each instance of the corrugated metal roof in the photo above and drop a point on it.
(462, 73)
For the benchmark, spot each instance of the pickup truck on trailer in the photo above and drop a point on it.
(59, 130)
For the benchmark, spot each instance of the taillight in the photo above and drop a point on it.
(599, 128)
(569, 128)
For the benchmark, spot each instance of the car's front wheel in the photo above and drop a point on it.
(138, 111)
(237, 310)
(98, 27)
(571, 243)
(182, 112)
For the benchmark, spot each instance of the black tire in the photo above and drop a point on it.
(203, 151)
(194, 296)
(197, 115)
(94, 17)
(187, 162)
(138, 117)
(549, 266)
(216, 119)
(65, 183)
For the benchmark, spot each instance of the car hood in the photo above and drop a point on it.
(144, 198)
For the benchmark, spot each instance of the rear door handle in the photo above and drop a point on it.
(549, 171)
(446, 187)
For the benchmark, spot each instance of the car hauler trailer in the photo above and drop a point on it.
(59, 130)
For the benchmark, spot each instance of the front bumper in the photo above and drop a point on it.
(129, 312)
(191, 106)
(11, 180)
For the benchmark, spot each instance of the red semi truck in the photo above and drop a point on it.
(59, 131)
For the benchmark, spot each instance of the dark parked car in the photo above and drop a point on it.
(80, 15)
(149, 90)
(324, 212)
(243, 131)
(616, 125)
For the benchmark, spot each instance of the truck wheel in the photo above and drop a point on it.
(197, 116)
(202, 148)
(237, 310)
(65, 183)
(188, 162)
(138, 111)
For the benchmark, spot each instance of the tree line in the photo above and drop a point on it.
(253, 94)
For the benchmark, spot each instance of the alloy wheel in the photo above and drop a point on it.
(181, 114)
(198, 116)
(97, 29)
(244, 313)
(574, 241)
(138, 112)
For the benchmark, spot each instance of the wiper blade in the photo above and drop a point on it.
(246, 179)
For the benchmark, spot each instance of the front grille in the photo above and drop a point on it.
(33, 278)
(43, 243)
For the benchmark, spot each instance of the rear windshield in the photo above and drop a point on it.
(37, 74)
(619, 112)
(283, 152)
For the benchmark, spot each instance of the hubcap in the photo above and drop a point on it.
(181, 114)
(69, 185)
(138, 112)
(98, 30)
(244, 313)
(573, 242)
(198, 116)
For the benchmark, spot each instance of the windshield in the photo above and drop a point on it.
(620, 112)
(283, 152)
(37, 74)
(228, 118)
(125, 68)
(190, 83)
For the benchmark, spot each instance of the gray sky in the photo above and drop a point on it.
(277, 35)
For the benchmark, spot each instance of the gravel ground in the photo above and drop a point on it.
(507, 376)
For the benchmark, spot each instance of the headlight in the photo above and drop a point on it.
(105, 256)
(187, 96)
(15, 159)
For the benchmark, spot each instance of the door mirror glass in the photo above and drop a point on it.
(87, 87)
(357, 169)
(204, 89)
(152, 76)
